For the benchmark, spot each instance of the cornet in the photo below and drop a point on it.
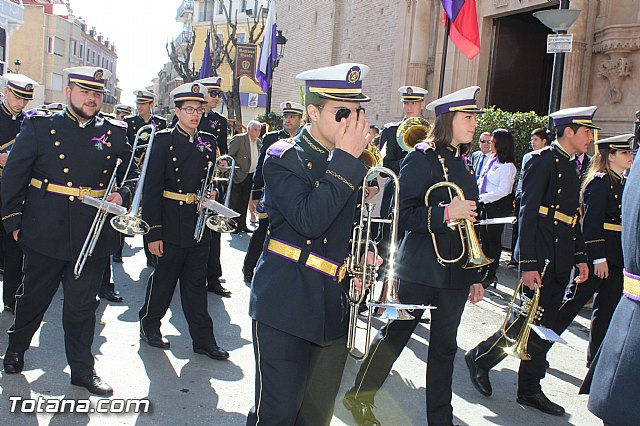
(217, 222)
(387, 304)
(131, 223)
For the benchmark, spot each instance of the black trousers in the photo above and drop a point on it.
(606, 295)
(240, 194)
(256, 244)
(214, 267)
(393, 337)
(296, 381)
(514, 233)
(42, 277)
(188, 265)
(106, 285)
(490, 352)
(491, 235)
(13, 275)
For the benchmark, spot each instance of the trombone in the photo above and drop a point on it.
(387, 304)
(141, 134)
(206, 189)
(530, 310)
(217, 222)
(131, 223)
(470, 244)
(104, 208)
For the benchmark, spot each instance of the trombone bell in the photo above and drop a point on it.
(130, 225)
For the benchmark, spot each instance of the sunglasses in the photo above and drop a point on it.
(214, 93)
(485, 141)
(341, 113)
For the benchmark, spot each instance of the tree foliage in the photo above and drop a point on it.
(180, 57)
(272, 119)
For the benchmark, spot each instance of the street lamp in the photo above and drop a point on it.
(559, 21)
(17, 65)
(281, 41)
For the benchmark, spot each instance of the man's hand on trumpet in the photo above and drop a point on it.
(371, 259)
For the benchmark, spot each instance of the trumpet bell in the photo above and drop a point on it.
(411, 132)
(130, 225)
(221, 224)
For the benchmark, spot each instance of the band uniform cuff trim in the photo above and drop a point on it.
(339, 177)
(11, 215)
(155, 227)
(600, 240)
(528, 261)
(429, 221)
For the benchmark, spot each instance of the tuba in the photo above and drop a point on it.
(131, 223)
(386, 304)
(411, 132)
(217, 222)
(530, 311)
(470, 244)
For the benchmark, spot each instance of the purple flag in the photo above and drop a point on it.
(269, 50)
(205, 68)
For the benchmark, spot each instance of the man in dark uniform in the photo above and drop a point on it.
(291, 119)
(298, 302)
(123, 111)
(549, 229)
(177, 166)
(56, 161)
(18, 92)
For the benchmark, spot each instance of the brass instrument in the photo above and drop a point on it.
(386, 305)
(371, 157)
(208, 185)
(470, 244)
(529, 309)
(104, 208)
(131, 223)
(217, 222)
(141, 135)
(411, 132)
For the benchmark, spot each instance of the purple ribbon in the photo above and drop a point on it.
(203, 145)
(213, 123)
(102, 139)
(483, 188)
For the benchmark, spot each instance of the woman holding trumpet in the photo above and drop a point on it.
(425, 278)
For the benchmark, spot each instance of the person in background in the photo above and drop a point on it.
(479, 158)
(496, 198)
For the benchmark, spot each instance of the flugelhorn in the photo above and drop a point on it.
(131, 223)
(217, 222)
(529, 310)
(470, 244)
(386, 303)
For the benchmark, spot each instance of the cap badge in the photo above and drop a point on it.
(98, 75)
(195, 88)
(409, 91)
(288, 105)
(28, 87)
(354, 75)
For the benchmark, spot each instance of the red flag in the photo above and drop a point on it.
(464, 25)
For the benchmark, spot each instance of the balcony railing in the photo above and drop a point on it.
(185, 11)
(12, 10)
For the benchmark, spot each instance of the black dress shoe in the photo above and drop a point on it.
(111, 296)
(247, 230)
(541, 402)
(13, 362)
(361, 410)
(93, 384)
(156, 340)
(479, 376)
(213, 351)
(219, 290)
(222, 280)
(10, 308)
(117, 258)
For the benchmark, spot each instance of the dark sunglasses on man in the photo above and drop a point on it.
(341, 113)
(214, 93)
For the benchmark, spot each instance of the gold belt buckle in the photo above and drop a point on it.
(342, 271)
(574, 221)
(191, 198)
(84, 190)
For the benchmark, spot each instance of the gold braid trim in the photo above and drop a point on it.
(11, 215)
(155, 226)
(580, 253)
(337, 176)
(429, 220)
(528, 261)
(601, 240)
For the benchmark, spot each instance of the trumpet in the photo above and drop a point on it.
(217, 222)
(205, 190)
(411, 132)
(371, 157)
(470, 244)
(386, 305)
(104, 208)
(530, 310)
(131, 223)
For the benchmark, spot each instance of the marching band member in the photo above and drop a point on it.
(423, 280)
(291, 118)
(18, 92)
(298, 304)
(46, 176)
(615, 386)
(549, 229)
(123, 111)
(177, 166)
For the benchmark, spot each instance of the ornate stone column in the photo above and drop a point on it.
(419, 55)
(573, 69)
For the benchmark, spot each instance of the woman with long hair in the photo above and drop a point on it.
(496, 198)
(423, 279)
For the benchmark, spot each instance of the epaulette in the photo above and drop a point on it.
(541, 150)
(36, 112)
(280, 147)
(599, 175)
(115, 122)
(391, 124)
(425, 146)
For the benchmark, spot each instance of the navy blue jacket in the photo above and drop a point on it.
(310, 196)
(258, 179)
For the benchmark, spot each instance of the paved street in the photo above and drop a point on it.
(189, 389)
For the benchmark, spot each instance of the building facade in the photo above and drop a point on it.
(52, 39)
(402, 42)
(11, 17)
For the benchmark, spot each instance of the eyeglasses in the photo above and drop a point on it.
(485, 140)
(341, 113)
(214, 93)
(190, 110)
